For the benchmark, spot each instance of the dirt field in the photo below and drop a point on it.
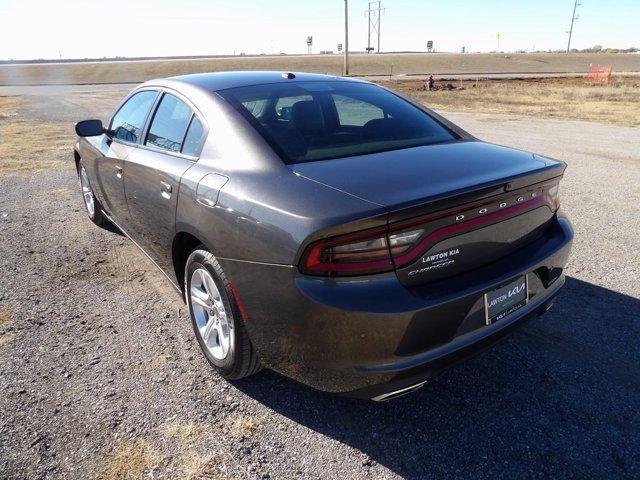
(102, 377)
(570, 98)
(139, 71)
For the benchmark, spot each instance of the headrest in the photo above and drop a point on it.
(307, 117)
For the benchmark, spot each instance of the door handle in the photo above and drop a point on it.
(166, 189)
(119, 171)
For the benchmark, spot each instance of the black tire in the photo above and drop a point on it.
(96, 216)
(241, 359)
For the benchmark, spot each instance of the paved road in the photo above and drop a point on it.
(73, 89)
(100, 355)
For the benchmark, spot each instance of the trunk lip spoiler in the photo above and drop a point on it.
(476, 193)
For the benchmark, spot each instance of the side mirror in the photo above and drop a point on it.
(89, 128)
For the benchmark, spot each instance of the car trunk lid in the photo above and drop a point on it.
(473, 202)
(401, 179)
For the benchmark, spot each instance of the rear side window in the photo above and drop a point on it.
(169, 124)
(128, 122)
(355, 112)
(193, 138)
(284, 105)
(308, 121)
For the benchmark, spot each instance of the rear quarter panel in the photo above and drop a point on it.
(266, 218)
(264, 211)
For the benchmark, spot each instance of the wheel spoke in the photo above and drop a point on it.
(204, 303)
(208, 328)
(199, 295)
(207, 282)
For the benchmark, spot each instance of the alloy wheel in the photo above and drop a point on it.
(214, 325)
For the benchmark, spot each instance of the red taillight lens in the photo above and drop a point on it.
(368, 251)
(358, 253)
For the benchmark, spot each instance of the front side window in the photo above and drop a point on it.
(169, 124)
(128, 122)
(306, 121)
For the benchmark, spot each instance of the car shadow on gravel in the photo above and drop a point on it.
(558, 397)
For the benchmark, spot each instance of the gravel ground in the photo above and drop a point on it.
(101, 375)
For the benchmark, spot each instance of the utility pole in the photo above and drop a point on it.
(374, 24)
(574, 17)
(369, 29)
(345, 69)
(379, 27)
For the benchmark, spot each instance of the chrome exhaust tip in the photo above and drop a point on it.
(398, 393)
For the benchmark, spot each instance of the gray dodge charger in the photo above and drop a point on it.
(327, 228)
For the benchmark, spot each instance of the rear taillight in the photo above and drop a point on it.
(369, 251)
(554, 195)
(357, 253)
(382, 249)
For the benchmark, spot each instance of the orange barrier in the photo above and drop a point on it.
(598, 74)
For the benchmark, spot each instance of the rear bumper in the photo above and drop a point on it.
(418, 369)
(366, 336)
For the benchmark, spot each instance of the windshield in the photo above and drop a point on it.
(307, 121)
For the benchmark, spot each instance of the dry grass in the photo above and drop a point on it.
(184, 434)
(245, 426)
(130, 461)
(28, 146)
(60, 192)
(200, 467)
(5, 317)
(193, 465)
(442, 63)
(179, 456)
(568, 98)
(9, 107)
(6, 339)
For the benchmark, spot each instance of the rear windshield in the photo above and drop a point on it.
(306, 121)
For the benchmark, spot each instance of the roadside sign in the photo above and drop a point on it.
(339, 47)
(598, 74)
(309, 40)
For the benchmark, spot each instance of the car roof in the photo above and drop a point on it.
(215, 81)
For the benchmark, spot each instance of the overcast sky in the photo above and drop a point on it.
(91, 28)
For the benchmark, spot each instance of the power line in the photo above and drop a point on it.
(374, 23)
(574, 17)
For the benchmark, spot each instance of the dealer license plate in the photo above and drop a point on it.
(505, 300)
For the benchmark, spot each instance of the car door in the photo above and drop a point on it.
(127, 125)
(153, 172)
